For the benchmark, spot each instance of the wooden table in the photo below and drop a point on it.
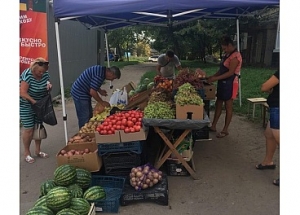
(187, 126)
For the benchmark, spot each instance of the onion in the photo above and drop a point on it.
(160, 172)
(145, 186)
(151, 184)
(134, 170)
(155, 181)
(145, 171)
(148, 181)
(139, 168)
(139, 174)
(133, 179)
(136, 188)
(132, 175)
(155, 175)
(86, 150)
(77, 153)
(63, 152)
(159, 177)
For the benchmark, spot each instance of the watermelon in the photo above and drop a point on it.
(58, 198)
(94, 193)
(40, 210)
(46, 186)
(41, 201)
(75, 190)
(84, 178)
(80, 205)
(68, 211)
(65, 175)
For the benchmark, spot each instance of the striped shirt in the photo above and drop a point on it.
(37, 88)
(91, 78)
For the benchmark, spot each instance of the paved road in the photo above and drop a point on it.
(229, 184)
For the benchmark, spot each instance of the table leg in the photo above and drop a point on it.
(253, 112)
(172, 148)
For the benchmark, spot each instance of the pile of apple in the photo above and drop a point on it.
(128, 121)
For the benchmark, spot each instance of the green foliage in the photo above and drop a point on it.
(121, 64)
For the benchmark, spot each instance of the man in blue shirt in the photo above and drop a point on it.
(87, 85)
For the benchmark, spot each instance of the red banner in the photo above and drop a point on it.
(33, 33)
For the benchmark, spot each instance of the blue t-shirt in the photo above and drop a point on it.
(91, 78)
(37, 88)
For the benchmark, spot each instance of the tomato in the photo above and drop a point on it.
(107, 120)
(104, 132)
(124, 122)
(137, 128)
(109, 132)
(118, 127)
(109, 123)
(98, 129)
(127, 130)
(130, 123)
(138, 123)
(119, 122)
(132, 129)
(105, 123)
(113, 130)
(101, 127)
(129, 118)
(122, 127)
(113, 121)
(134, 120)
(114, 126)
(139, 119)
(127, 115)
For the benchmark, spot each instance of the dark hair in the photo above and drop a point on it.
(116, 71)
(170, 53)
(226, 40)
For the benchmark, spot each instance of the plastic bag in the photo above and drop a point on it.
(123, 98)
(44, 110)
(119, 97)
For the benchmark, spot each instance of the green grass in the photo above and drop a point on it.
(251, 80)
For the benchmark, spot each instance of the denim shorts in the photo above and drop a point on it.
(274, 117)
(84, 111)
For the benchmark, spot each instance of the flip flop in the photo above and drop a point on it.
(42, 155)
(222, 134)
(29, 159)
(262, 167)
(276, 182)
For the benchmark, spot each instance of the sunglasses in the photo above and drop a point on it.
(42, 63)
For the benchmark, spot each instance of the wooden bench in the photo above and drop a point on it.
(254, 102)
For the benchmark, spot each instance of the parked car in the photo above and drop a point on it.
(153, 58)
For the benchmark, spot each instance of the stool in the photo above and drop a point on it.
(265, 108)
(255, 101)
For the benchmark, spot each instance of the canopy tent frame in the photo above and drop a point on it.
(106, 21)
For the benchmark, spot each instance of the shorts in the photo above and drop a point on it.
(84, 111)
(235, 89)
(274, 117)
(27, 116)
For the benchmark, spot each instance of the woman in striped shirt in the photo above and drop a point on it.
(34, 85)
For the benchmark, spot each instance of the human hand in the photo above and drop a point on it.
(103, 92)
(49, 85)
(105, 104)
(211, 79)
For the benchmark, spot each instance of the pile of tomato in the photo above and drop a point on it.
(128, 121)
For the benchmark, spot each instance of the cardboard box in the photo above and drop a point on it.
(111, 138)
(196, 110)
(128, 137)
(91, 162)
(210, 92)
(129, 86)
(138, 99)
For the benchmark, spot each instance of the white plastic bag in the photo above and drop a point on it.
(119, 97)
(123, 98)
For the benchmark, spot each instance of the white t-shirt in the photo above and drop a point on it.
(168, 68)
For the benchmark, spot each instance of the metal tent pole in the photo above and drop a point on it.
(238, 48)
(62, 90)
(107, 54)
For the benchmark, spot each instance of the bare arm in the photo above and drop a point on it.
(269, 84)
(96, 96)
(24, 92)
(158, 69)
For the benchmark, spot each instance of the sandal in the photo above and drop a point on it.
(276, 182)
(29, 159)
(222, 134)
(42, 155)
(262, 167)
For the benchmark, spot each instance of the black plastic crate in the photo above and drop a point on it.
(120, 161)
(158, 194)
(177, 169)
(134, 146)
(202, 133)
(118, 171)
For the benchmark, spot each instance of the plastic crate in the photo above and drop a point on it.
(135, 147)
(177, 169)
(113, 187)
(200, 134)
(121, 160)
(159, 193)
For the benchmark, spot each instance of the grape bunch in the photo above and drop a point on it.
(159, 96)
(159, 110)
(187, 95)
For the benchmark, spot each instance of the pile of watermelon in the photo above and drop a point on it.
(69, 192)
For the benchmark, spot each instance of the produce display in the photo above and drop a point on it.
(58, 195)
(187, 95)
(187, 75)
(159, 110)
(81, 138)
(100, 113)
(144, 176)
(89, 127)
(128, 121)
(146, 84)
(160, 96)
(164, 83)
(73, 152)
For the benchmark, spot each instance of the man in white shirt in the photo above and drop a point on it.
(166, 64)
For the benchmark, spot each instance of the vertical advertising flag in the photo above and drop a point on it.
(33, 32)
